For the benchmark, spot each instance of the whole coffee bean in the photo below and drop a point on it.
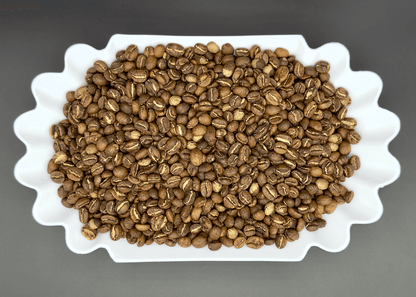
(355, 162)
(197, 157)
(292, 235)
(255, 242)
(60, 158)
(100, 66)
(312, 226)
(214, 246)
(88, 233)
(239, 242)
(323, 200)
(104, 228)
(322, 184)
(349, 196)
(269, 192)
(58, 177)
(245, 197)
(122, 207)
(109, 219)
(345, 148)
(213, 47)
(184, 242)
(227, 242)
(206, 188)
(199, 242)
(322, 67)
(175, 49)
(116, 232)
(281, 52)
(230, 201)
(94, 224)
(120, 171)
(75, 174)
(353, 137)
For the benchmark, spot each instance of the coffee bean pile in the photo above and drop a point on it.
(204, 146)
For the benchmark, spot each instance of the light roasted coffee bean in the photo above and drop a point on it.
(255, 242)
(281, 241)
(88, 233)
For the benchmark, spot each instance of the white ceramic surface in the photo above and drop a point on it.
(376, 125)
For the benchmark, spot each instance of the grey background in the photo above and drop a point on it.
(380, 260)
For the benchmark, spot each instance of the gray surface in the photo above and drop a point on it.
(380, 260)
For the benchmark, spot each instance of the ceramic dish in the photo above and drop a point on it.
(376, 125)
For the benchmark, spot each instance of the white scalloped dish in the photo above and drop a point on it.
(376, 126)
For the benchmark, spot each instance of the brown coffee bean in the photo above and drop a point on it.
(281, 241)
(197, 157)
(206, 188)
(312, 226)
(58, 177)
(239, 242)
(214, 246)
(116, 232)
(52, 166)
(281, 52)
(230, 201)
(353, 137)
(109, 219)
(322, 184)
(245, 197)
(175, 49)
(199, 242)
(122, 207)
(322, 67)
(104, 228)
(100, 66)
(345, 148)
(120, 172)
(213, 47)
(349, 196)
(60, 158)
(227, 242)
(88, 233)
(323, 200)
(255, 242)
(292, 235)
(184, 242)
(75, 174)
(269, 192)
(355, 162)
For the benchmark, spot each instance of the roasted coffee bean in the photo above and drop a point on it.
(269, 192)
(75, 174)
(255, 242)
(230, 201)
(312, 226)
(322, 67)
(206, 188)
(109, 219)
(281, 241)
(292, 235)
(175, 50)
(88, 233)
(199, 242)
(58, 177)
(239, 242)
(116, 232)
(204, 145)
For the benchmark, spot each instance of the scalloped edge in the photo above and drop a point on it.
(216, 257)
